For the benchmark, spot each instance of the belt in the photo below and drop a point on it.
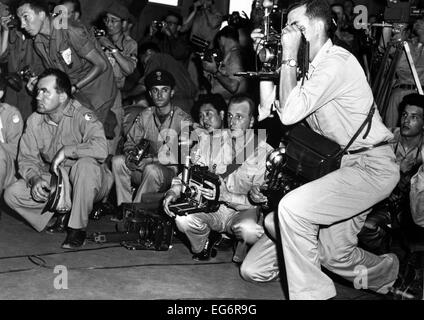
(367, 148)
(406, 86)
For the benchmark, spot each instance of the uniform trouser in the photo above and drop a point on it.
(7, 169)
(319, 223)
(118, 110)
(198, 226)
(154, 178)
(90, 183)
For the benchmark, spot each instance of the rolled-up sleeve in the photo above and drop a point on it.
(80, 40)
(322, 87)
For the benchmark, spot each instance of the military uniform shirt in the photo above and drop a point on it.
(65, 49)
(11, 126)
(79, 132)
(162, 137)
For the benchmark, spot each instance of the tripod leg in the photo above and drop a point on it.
(412, 66)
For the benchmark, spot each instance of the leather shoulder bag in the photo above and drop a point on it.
(311, 156)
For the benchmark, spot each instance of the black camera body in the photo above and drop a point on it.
(212, 54)
(17, 80)
(99, 33)
(403, 11)
(155, 230)
(158, 24)
(140, 152)
(279, 180)
(192, 200)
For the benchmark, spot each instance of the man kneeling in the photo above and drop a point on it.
(245, 168)
(61, 133)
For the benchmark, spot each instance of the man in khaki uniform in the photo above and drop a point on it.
(121, 50)
(161, 125)
(61, 133)
(11, 126)
(71, 49)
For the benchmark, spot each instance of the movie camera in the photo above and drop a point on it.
(192, 200)
(202, 50)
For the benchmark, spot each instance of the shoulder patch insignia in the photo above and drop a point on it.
(15, 119)
(88, 116)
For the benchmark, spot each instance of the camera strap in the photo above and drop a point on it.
(1, 132)
(233, 167)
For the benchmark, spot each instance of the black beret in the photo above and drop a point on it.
(159, 77)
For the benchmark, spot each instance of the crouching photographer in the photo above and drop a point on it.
(243, 155)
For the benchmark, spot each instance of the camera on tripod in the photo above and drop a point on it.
(192, 200)
(139, 152)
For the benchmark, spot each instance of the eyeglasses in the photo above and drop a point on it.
(172, 22)
(113, 21)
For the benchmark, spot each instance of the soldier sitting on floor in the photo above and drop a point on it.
(61, 133)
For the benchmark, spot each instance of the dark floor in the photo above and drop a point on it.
(28, 260)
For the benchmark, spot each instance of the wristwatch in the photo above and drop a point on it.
(290, 62)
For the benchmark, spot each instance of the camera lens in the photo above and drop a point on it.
(266, 55)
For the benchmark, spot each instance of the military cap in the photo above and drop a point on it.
(118, 10)
(159, 77)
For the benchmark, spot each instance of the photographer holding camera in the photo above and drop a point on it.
(320, 220)
(73, 51)
(221, 73)
(161, 125)
(16, 49)
(236, 215)
(204, 21)
(166, 34)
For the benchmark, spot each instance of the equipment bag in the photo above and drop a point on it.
(311, 155)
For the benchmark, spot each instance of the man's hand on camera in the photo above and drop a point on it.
(132, 164)
(257, 196)
(291, 37)
(257, 36)
(210, 66)
(210, 193)
(170, 197)
(32, 82)
(105, 42)
(5, 22)
(40, 190)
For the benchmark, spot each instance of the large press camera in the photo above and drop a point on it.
(269, 52)
(192, 200)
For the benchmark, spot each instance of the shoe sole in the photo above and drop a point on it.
(73, 248)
